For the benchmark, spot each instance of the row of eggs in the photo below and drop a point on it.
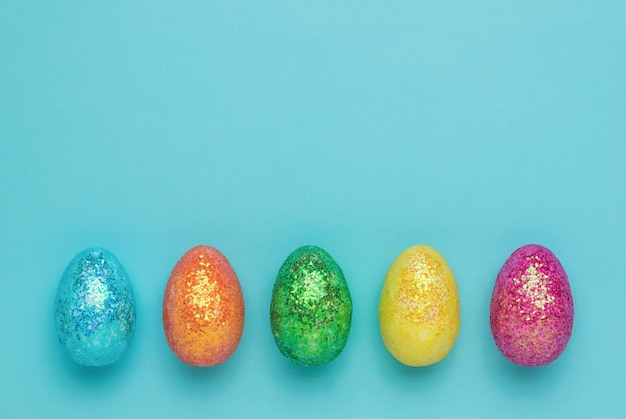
(531, 311)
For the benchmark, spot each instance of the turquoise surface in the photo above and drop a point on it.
(363, 127)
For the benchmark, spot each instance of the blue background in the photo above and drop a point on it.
(362, 127)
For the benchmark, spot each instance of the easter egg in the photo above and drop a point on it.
(203, 308)
(419, 307)
(94, 309)
(532, 310)
(311, 307)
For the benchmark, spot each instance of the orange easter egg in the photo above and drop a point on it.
(203, 309)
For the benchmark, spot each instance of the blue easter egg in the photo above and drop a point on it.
(95, 308)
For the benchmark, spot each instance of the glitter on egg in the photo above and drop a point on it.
(419, 308)
(95, 308)
(311, 307)
(532, 309)
(203, 308)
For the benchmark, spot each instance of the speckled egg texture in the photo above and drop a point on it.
(532, 309)
(311, 307)
(419, 307)
(95, 309)
(203, 308)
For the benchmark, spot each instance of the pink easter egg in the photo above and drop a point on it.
(532, 310)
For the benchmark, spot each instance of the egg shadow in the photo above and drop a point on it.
(405, 377)
(531, 382)
(197, 375)
(294, 371)
(94, 376)
(195, 381)
(89, 382)
(302, 379)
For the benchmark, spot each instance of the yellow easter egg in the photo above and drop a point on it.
(419, 308)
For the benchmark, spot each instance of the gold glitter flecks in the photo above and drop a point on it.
(423, 265)
(531, 312)
(203, 298)
(422, 288)
(203, 309)
(419, 307)
(534, 286)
